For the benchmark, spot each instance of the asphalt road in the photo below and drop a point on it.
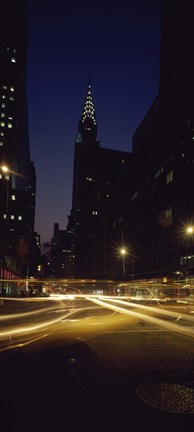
(96, 363)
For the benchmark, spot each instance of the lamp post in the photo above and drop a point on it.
(189, 232)
(4, 244)
(5, 169)
(123, 252)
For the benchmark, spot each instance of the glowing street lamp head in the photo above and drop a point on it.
(4, 168)
(123, 251)
(190, 230)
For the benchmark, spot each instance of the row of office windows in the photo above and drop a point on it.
(6, 121)
(9, 126)
(13, 217)
(5, 87)
(169, 175)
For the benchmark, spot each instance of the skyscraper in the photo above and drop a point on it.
(177, 35)
(17, 173)
(100, 181)
(161, 206)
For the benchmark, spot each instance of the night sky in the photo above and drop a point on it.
(121, 46)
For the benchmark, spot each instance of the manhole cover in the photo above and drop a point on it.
(170, 397)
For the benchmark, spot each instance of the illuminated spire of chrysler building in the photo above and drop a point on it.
(87, 127)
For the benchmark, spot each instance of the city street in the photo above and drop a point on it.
(102, 356)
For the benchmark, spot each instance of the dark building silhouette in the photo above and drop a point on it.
(100, 183)
(61, 254)
(142, 200)
(176, 40)
(18, 183)
(161, 207)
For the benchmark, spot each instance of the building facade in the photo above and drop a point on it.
(17, 172)
(100, 183)
(159, 214)
(140, 203)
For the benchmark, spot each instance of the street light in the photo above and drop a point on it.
(189, 232)
(123, 252)
(5, 169)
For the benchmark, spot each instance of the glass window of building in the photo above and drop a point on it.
(169, 177)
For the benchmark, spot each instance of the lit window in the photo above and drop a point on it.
(19, 217)
(169, 177)
(168, 213)
(12, 88)
(1, 133)
(6, 177)
(10, 118)
(13, 60)
(90, 179)
(2, 114)
(1, 143)
(134, 196)
(4, 87)
(3, 105)
(9, 125)
(12, 217)
(94, 212)
(13, 197)
(4, 216)
(2, 124)
(159, 172)
(3, 97)
(0, 176)
(11, 98)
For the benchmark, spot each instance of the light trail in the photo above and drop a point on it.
(22, 344)
(34, 327)
(153, 309)
(66, 316)
(152, 320)
(77, 321)
(27, 314)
